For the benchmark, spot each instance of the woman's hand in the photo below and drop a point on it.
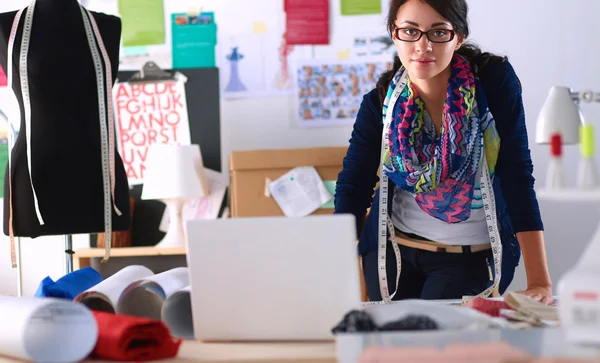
(542, 294)
(539, 285)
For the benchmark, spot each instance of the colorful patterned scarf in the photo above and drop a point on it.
(441, 174)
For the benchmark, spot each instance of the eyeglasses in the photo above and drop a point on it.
(434, 35)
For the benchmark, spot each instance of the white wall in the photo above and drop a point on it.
(549, 42)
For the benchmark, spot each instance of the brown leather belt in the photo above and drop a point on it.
(433, 246)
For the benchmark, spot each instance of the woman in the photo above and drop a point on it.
(457, 112)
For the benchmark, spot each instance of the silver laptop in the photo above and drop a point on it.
(272, 278)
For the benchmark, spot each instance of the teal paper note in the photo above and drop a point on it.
(134, 51)
(194, 40)
(330, 186)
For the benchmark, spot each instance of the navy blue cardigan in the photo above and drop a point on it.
(516, 202)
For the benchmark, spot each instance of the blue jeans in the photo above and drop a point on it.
(429, 275)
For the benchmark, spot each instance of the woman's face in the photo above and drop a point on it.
(424, 59)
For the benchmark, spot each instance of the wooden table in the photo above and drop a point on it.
(195, 351)
(82, 257)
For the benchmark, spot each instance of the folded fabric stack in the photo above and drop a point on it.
(129, 338)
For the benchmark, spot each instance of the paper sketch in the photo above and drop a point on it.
(235, 84)
(240, 62)
(283, 80)
(258, 65)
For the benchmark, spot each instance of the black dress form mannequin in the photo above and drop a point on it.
(65, 128)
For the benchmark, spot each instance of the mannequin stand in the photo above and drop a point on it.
(19, 267)
(68, 254)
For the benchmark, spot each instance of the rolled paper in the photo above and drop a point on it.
(105, 295)
(177, 313)
(145, 298)
(46, 329)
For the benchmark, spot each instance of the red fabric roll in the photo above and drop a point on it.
(490, 307)
(130, 338)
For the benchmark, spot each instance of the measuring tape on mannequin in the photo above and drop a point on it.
(385, 224)
(104, 105)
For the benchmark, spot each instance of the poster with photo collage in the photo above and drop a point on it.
(330, 92)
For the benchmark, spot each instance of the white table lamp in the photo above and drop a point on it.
(174, 174)
(559, 115)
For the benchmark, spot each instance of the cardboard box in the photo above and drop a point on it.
(250, 170)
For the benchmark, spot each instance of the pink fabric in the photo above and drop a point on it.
(455, 353)
(490, 307)
(3, 80)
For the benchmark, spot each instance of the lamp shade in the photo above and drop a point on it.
(174, 171)
(559, 115)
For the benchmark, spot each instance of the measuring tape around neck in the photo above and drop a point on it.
(385, 224)
(104, 104)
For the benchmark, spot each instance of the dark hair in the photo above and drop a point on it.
(455, 11)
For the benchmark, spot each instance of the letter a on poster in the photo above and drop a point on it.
(149, 113)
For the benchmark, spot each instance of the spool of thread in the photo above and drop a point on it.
(555, 177)
(586, 146)
(556, 145)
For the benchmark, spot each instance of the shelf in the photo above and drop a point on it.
(569, 194)
(130, 251)
(82, 257)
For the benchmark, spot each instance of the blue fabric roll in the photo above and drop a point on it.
(70, 285)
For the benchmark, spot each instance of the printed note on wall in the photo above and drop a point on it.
(360, 7)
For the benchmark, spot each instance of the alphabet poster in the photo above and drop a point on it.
(146, 114)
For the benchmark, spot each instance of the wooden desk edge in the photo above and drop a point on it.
(82, 257)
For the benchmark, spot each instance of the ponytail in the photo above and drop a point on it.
(477, 58)
(384, 81)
